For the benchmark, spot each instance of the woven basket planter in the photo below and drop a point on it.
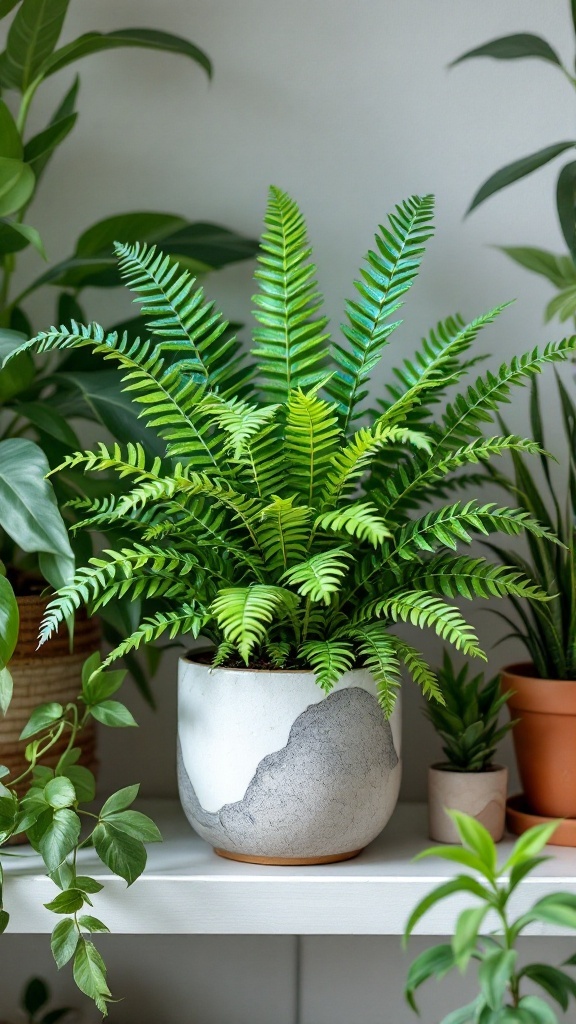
(51, 673)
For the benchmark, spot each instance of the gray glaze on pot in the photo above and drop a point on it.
(326, 792)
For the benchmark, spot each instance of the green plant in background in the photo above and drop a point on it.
(275, 524)
(57, 816)
(34, 1005)
(31, 525)
(467, 722)
(40, 398)
(559, 269)
(547, 630)
(487, 934)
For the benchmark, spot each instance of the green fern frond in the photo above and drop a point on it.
(244, 614)
(387, 275)
(473, 577)
(376, 647)
(360, 519)
(278, 651)
(352, 461)
(424, 609)
(185, 619)
(329, 660)
(179, 313)
(290, 343)
(284, 532)
(419, 669)
(224, 652)
(239, 419)
(312, 435)
(321, 575)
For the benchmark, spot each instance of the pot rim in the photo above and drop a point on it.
(527, 670)
(188, 659)
(492, 769)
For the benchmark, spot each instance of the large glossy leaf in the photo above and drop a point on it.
(98, 240)
(560, 270)
(16, 185)
(32, 37)
(65, 110)
(9, 621)
(518, 169)
(26, 235)
(6, 6)
(566, 204)
(19, 373)
(150, 39)
(101, 391)
(562, 305)
(28, 509)
(513, 47)
(10, 141)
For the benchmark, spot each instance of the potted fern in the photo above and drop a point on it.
(468, 780)
(290, 526)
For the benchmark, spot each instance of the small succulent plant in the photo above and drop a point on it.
(468, 721)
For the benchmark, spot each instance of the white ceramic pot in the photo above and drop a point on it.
(482, 795)
(273, 770)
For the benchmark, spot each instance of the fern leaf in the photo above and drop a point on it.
(424, 609)
(387, 275)
(352, 461)
(312, 433)
(244, 614)
(284, 532)
(360, 519)
(321, 575)
(329, 659)
(473, 577)
(419, 669)
(290, 343)
(186, 619)
(376, 647)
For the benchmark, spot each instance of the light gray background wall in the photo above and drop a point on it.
(349, 106)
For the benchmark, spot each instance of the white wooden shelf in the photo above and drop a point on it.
(187, 889)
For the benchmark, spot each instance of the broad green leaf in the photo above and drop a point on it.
(67, 902)
(518, 169)
(459, 855)
(4, 921)
(90, 973)
(98, 240)
(476, 837)
(463, 1015)
(27, 234)
(92, 924)
(432, 963)
(466, 933)
(113, 714)
(97, 684)
(28, 509)
(135, 824)
(89, 885)
(531, 844)
(560, 270)
(6, 6)
(10, 141)
(562, 305)
(8, 812)
(64, 941)
(32, 37)
(566, 204)
(556, 983)
(120, 801)
(36, 995)
(124, 855)
(60, 837)
(20, 371)
(559, 908)
(539, 1011)
(83, 782)
(97, 42)
(48, 420)
(11, 240)
(494, 974)
(59, 792)
(513, 47)
(462, 883)
(42, 717)
(16, 185)
(65, 109)
(40, 146)
(9, 622)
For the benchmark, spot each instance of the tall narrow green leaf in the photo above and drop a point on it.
(518, 169)
(32, 37)
(144, 38)
(513, 47)
(566, 204)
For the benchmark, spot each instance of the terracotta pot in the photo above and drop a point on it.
(51, 673)
(274, 771)
(482, 795)
(544, 739)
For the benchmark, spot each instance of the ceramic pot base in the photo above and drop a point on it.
(519, 818)
(247, 858)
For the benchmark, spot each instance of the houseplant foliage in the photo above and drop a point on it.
(31, 527)
(54, 816)
(559, 269)
(35, 1001)
(487, 934)
(285, 522)
(468, 721)
(468, 725)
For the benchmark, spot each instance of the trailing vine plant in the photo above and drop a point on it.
(48, 806)
(285, 520)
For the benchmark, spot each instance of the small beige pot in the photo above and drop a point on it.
(482, 795)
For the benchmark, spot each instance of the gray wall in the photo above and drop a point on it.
(349, 106)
